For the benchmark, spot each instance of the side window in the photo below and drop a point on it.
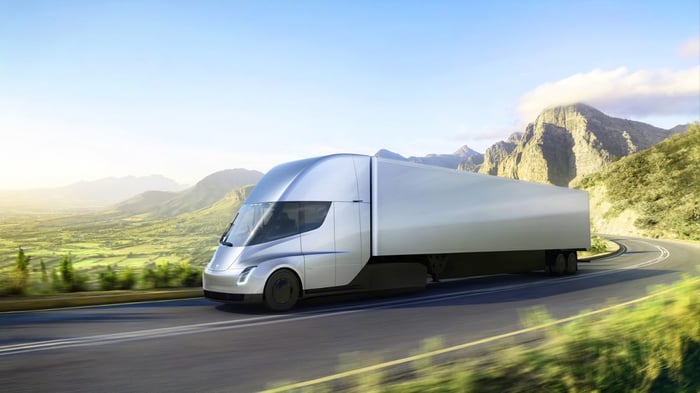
(312, 215)
(284, 219)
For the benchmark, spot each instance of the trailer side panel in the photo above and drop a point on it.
(418, 209)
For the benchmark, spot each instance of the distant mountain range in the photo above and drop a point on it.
(464, 156)
(85, 194)
(563, 144)
(156, 195)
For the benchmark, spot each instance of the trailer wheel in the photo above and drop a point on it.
(571, 263)
(548, 262)
(281, 290)
(559, 266)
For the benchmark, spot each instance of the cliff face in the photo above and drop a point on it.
(567, 142)
(498, 152)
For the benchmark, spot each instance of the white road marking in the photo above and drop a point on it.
(112, 338)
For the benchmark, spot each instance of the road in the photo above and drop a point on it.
(200, 346)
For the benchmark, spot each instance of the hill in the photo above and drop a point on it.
(202, 195)
(568, 142)
(652, 193)
(143, 203)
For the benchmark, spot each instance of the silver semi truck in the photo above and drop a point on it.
(346, 222)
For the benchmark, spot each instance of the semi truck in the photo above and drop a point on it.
(345, 223)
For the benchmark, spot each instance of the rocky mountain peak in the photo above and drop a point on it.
(465, 151)
(566, 142)
(384, 153)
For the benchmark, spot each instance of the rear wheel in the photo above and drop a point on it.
(571, 263)
(559, 265)
(281, 290)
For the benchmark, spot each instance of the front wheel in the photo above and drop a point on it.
(281, 290)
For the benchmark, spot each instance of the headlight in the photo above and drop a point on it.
(243, 278)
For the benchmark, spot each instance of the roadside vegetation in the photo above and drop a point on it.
(661, 186)
(24, 279)
(599, 245)
(652, 346)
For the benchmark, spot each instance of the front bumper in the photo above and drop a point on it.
(234, 297)
(224, 285)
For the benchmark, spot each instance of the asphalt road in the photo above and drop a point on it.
(201, 346)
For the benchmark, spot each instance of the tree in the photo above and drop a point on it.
(20, 276)
(66, 269)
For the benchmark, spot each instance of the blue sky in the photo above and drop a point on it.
(90, 89)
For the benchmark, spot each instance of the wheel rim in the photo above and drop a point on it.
(282, 291)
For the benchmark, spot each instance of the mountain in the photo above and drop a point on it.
(497, 153)
(568, 142)
(653, 193)
(85, 194)
(679, 129)
(464, 156)
(203, 194)
(113, 189)
(144, 202)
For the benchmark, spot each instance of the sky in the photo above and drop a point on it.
(90, 89)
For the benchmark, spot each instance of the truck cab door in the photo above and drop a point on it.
(318, 248)
(351, 240)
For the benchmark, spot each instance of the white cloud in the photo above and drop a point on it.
(620, 92)
(690, 48)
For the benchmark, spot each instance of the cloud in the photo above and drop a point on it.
(620, 92)
(690, 48)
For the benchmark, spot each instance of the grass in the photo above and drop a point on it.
(653, 346)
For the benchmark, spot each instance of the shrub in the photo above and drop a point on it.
(160, 277)
(71, 281)
(108, 279)
(16, 282)
(127, 278)
(189, 276)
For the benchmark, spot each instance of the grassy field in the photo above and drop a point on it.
(99, 239)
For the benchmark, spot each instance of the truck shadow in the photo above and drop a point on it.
(473, 290)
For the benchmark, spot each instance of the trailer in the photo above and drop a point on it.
(345, 223)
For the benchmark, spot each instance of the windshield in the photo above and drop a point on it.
(263, 222)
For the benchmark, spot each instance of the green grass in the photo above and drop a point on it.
(652, 346)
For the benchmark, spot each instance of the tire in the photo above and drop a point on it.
(559, 265)
(282, 290)
(571, 263)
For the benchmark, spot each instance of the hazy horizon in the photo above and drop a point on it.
(114, 89)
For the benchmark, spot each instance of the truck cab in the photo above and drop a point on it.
(304, 227)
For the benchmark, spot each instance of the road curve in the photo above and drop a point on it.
(198, 345)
